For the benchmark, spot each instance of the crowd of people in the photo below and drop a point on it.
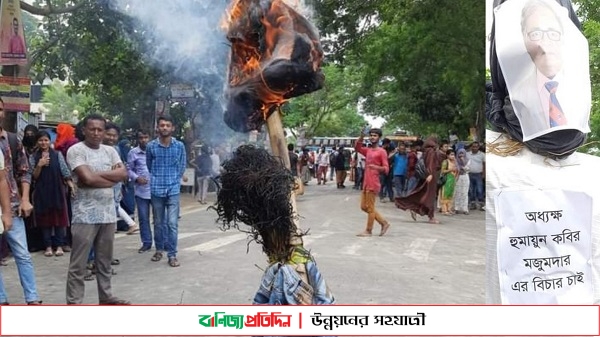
(74, 193)
(452, 181)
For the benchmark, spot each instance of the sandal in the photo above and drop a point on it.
(133, 229)
(434, 221)
(115, 262)
(59, 252)
(89, 277)
(157, 257)
(48, 252)
(173, 262)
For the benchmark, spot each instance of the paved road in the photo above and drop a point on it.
(415, 262)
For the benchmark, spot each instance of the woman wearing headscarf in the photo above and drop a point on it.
(34, 235)
(449, 172)
(50, 174)
(65, 138)
(29, 137)
(461, 190)
(421, 200)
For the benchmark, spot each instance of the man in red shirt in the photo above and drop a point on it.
(376, 163)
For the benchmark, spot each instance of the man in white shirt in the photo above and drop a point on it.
(477, 158)
(322, 166)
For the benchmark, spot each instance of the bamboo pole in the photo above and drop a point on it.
(279, 148)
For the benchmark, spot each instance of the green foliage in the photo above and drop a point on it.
(589, 13)
(90, 50)
(331, 111)
(423, 60)
(62, 104)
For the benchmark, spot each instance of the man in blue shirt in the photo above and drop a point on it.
(138, 173)
(166, 160)
(400, 169)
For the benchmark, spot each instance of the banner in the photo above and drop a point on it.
(544, 246)
(15, 92)
(13, 50)
(300, 320)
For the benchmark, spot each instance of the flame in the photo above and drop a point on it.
(254, 48)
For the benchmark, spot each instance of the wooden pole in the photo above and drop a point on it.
(279, 148)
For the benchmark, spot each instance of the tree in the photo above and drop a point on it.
(331, 111)
(589, 12)
(423, 60)
(63, 105)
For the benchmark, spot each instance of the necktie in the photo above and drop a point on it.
(556, 114)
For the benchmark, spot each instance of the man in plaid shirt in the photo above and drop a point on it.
(166, 160)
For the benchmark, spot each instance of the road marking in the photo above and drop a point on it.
(195, 210)
(420, 249)
(186, 235)
(353, 249)
(180, 235)
(475, 262)
(311, 237)
(217, 243)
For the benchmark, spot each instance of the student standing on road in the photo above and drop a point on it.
(376, 164)
(166, 160)
(138, 173)
(96, 168)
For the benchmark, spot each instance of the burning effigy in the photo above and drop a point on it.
(275, 55)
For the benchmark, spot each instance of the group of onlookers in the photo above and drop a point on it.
(307, 164)
(76, 187)
(452, 181)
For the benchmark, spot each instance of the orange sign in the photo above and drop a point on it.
(12, 39)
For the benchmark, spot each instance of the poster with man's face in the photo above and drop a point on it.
(544, 59)
(12, 40)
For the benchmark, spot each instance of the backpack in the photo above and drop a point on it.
(332, 159)
(421, 169)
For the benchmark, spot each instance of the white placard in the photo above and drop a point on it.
(544, 246)
(545, 62)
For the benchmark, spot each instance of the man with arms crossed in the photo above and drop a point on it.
(97, 168)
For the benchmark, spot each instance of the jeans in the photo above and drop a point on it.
(475, 187)
(17, 241)
(281, 284)
(59, 238)
(165, 232)
(358, 179)
(143, 206)
(399, 185)
(386, 186)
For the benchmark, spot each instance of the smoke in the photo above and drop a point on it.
(303, 7)
(184, 40)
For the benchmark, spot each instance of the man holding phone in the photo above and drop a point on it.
(376, 164)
